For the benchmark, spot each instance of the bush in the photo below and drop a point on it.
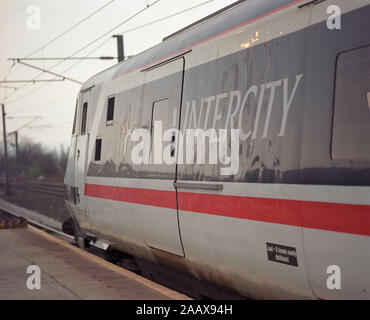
(34, 161)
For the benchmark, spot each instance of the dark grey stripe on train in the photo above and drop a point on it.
(313, 149)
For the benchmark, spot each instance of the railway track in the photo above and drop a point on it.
(50, 189)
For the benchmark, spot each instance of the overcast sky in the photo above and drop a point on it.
(21, 34)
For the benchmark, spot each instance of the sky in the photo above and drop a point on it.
(27, 25)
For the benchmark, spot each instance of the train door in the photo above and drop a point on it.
(237, 223)
(335, 151)
(162, 96)
(82, 142)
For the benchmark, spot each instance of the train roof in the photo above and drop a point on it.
(199, 32)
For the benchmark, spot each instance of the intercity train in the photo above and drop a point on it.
(279, 206)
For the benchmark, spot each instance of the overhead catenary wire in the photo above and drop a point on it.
(43, 132)
(66, 70)
(45, 129)
(91, 43)
(164, 18)
(15, 111)
(9, 70)
(54, 39)
(5, 77)
(17, 118)
(59, 77)
(106, 33)
(124, 32)
(28, 123)
(70, 29)
(49, 132)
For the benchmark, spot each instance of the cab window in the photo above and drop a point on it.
(110, 110)
(84, 118)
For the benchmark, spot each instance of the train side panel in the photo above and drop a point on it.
(335, 154)
(229, 234)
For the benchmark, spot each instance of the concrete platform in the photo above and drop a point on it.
(67, 272)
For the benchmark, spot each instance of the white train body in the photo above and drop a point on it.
(293, 221)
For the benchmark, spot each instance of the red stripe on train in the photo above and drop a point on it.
(155, 198)
(347, 218)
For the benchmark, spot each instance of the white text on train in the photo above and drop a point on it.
(197, 114)
(180, 146)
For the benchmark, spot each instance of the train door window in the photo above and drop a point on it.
(161, 113)
(110, 110)
(351, 126)
(167, 117)
(98, 145)
(84, 119)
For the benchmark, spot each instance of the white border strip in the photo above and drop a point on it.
(356, 195)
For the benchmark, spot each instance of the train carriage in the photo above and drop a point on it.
(272, 216)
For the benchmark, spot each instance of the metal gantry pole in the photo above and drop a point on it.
(120, 47)
(7, 185)
(16, 156)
